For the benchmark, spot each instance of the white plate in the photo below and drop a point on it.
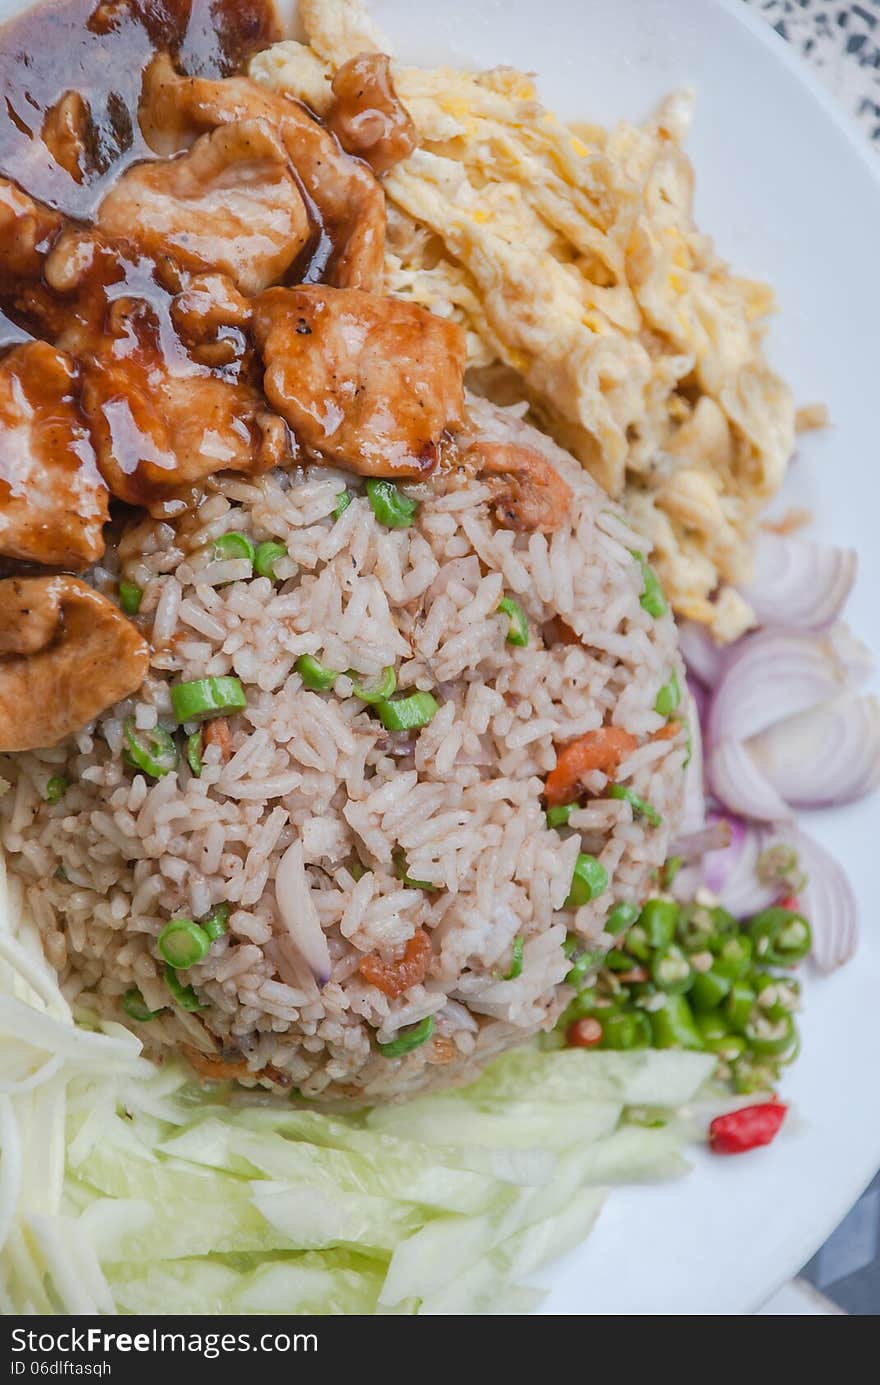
(793, 196)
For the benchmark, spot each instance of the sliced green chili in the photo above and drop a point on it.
(266, 556)
(659, 918)
(668, 697)
(627, 1030)
(518, 631)
(136, 1007)
(559, 815)
(733, 955)
(390, 506)
(130, 597)
(377, 689)
(234, 545)
(750, 1077)
(216, 923)
(652, 599)
(183, 943)
(343, 500)
(153, 751)
(408, 713)
(409, 1039)
(769, 1038)
(672, 971)
(674, 1026)
(207, 697)
(584, 964)
(618, 960)
(670, 871)
(56, 788)
(194, 753)
(314, 674)
(636, 943)
(780, 936)
(590, 878)
(621, 917)
(184, 996)
(640, 807)
(516, 960)
(709, 989)
(739, 1005)
(402, 873)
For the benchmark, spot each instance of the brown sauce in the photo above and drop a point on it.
(99, 49)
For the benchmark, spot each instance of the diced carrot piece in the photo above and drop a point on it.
(217, 733)
(667, 732)
(600, 750)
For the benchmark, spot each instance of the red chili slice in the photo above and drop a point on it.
(747, 1128)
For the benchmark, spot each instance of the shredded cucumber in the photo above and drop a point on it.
(126, 1189)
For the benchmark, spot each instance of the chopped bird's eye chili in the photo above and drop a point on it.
(748, 1128)
(735, 1007)
(584, 1033)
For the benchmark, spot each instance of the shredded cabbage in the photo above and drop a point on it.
(124, 1189)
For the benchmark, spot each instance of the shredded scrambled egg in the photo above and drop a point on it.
(571, 257)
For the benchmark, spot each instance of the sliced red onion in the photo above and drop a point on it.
(828, 900)
(695, 846)
(738, 783)
(700, 652)
(731, 873)
(775, 674)
(694, 810)
(799, 584)
(299, 916)
(827, 755)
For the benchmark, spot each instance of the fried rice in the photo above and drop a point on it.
(357, 814)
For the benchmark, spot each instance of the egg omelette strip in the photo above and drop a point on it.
(571, 257)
